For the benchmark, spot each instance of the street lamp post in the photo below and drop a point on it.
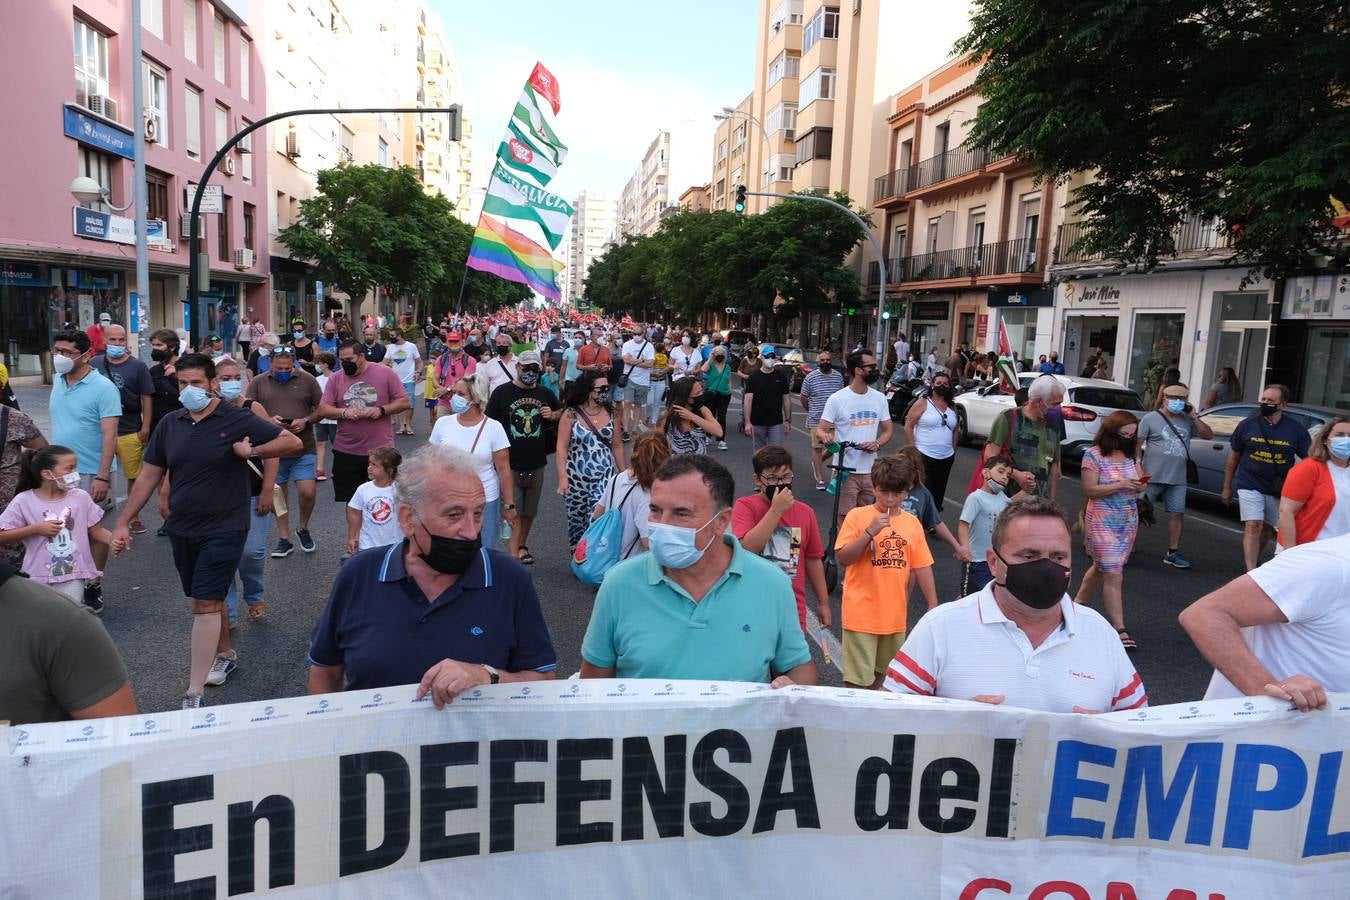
(194, 262)
(464, 276)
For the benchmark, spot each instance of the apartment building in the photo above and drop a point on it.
(64, 261)
(697, 198)
(734, 153)
(594, 216)
(444, 166)
(647, 194)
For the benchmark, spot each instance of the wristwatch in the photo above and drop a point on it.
(508, 506)
(493, 674)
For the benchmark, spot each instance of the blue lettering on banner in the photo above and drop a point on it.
(88, 130)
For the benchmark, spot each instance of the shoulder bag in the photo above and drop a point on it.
(601, 546)
(1192, 470)
(623, 378)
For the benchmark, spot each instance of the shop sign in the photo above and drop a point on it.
(930, 310)
(100, 134)
(982, 326)
(1092, 294)
(213, 199)
(22, 275)
(1032, 297)
(1317, 297)
(95, 225)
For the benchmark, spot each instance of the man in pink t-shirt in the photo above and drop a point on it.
(362, 397)
(783, 530)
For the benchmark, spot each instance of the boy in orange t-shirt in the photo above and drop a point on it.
(880, 547)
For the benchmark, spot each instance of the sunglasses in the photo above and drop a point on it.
(284, 350)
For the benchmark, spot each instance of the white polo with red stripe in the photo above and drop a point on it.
(969, 647)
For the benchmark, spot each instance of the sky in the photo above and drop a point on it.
(624, 73)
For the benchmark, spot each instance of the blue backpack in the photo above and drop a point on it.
(601, 546)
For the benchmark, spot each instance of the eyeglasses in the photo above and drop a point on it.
(284, 350)
(777, 481)
(71, 353)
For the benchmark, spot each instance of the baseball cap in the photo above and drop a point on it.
(455, 337)
(767, 350)
(529, 358)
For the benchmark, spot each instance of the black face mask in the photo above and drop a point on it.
(504, 351)
(529, 378)
(1039, 583)
(449, 556)
(943, 391)
(1127, 445)
(160, 356)
(771, 489)
(827, 368)
(370, 342)
(871, 377)
(349, 367)
(1269, 409)
(696, 404)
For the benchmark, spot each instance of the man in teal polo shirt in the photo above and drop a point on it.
(698, 606)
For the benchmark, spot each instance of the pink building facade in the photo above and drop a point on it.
(66, 262)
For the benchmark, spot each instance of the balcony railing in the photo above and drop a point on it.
(1019, 257)
(1025, 256)
(961, 161)
(893, 184)
(1192, 235)
(959, 263)
(892, 272)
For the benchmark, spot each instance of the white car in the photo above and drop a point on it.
(1087, 401)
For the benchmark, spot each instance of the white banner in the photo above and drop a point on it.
(691, 789)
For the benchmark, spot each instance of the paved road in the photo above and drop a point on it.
(148, 617)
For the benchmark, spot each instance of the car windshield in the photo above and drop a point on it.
(1112, 398)
(1225, 421)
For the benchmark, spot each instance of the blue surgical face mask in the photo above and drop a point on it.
(297, 334)
(115, 352)
(1340, 447)
(193, 398)
(675, 546)
(283, 377)
(458, 403)
(230, 390)
(1176, 405)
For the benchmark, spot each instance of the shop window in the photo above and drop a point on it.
(1156, 347)
(1021, 324)
(1326, 376)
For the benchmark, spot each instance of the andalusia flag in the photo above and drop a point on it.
(530, 146)
(515, 198)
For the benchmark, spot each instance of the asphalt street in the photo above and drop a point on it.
(148, 616)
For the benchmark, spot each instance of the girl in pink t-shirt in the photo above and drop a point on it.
(55, 522)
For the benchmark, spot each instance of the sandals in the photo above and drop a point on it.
(258, 611)
(525, 556)
(1126, 641)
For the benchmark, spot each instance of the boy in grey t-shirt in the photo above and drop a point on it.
(977, 522)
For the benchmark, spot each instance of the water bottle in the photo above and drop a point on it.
(504, 532)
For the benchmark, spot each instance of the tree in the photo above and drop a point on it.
(369, 226)
(1232, 109)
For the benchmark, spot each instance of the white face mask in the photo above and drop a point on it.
(62, 364)
(68, 481)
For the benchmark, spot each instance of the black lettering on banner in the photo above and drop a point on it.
(899, 774)
(241, 834)
(641, 778)
(437, 801)
(932, 791)
(354, 770)
(161, 842)
(573, 790)
(720, 782)
(789, 744)
(998, 823)
(507, 793)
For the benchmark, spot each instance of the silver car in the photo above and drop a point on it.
(1212, 455)
(1087, 401)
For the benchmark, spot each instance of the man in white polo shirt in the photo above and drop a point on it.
(1021, 641)
(1282, 630)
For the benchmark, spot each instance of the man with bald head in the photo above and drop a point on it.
(132, 379)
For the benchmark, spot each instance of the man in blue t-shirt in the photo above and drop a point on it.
(1265, 447)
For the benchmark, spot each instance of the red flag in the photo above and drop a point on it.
(546, 86)
(1004, 345)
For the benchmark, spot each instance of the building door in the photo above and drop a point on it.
(1244, 349)
(1083, 337)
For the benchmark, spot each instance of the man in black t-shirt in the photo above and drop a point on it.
(555, 347)
(204, 448)
(524, 407)
(767, 415)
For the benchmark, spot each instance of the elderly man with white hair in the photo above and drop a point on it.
(436, 608)
(1030, 436)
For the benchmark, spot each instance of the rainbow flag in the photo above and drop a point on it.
(502, 251)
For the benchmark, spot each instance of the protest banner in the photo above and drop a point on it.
(682, 788)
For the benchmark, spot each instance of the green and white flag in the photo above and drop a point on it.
(530, 146)
(515, 199)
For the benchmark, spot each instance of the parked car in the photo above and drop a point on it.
(1212, 455)
(798, 362)
(1086, 402)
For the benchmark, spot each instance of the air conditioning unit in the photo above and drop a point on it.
(228, 165)
(185, 226)
(151, 130)
(243, 258)
(103, 105)
(292, 145)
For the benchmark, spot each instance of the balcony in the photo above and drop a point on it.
(947, 167)
(1194, 235)
(435, 61)
(890, 189)
(1020, 261)
(421, 136)
(421, 60)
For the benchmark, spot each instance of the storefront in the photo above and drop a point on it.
(970, 310)
(930, 326)
(1314, 334)
(38, 300)
(1026, 314)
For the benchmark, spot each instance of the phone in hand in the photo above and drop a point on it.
(1145, 478)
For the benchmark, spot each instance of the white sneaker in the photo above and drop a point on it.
(221, 668)
(721, 445)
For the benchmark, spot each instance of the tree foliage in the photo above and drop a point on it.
(1235, 110)
(786, 261)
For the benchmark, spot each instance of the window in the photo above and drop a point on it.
(223, 231)
(157, 194)
(784, 117)
(738, 136)
(934, 229)
(823, 25)
(789, 12)
(222, 125)
(777, 168)
(97, 166)
(245, 66)
(900, 242)
(156, 82)
(721, 151)
(248, 225)
(784, 65)
(815, 144)
(152, 17)
(218, 49)
(91, 63)
(192, 119)
(246, 158)
(383, 156)
(190, 29)
(975, 233)
(817, 85)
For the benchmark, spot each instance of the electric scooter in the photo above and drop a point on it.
(841, 473)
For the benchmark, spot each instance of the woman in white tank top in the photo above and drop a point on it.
(931, 429)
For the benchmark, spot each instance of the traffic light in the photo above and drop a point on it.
(740, 198)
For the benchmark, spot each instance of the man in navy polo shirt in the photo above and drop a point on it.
(437, 608)
(204, 448)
